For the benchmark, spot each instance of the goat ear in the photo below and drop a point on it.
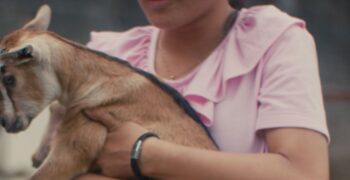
(17, 57)
(41, 20)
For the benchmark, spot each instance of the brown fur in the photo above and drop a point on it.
(88, 80)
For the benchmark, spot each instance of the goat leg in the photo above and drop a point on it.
(57, 112)
(75, 146)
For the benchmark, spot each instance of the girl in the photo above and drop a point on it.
(251, 75)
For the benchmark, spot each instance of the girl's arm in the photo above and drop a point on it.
(294, 153)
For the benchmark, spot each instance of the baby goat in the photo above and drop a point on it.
(38, 67)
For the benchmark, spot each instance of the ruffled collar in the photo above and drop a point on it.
(254, 31)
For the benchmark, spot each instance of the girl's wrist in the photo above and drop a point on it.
(156, 155)
(149, 155)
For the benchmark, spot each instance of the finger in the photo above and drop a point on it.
(131, 126)
(102, 116)
(93, 177)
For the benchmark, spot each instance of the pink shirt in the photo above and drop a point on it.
(263, 75)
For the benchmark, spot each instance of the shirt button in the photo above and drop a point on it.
(248, 22)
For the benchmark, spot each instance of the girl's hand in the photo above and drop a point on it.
(114, 159)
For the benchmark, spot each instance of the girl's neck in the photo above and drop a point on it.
(181, 49)
(201, 35)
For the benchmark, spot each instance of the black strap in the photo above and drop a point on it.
(135, 154)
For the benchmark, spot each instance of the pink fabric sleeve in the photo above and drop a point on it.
(131, 45)
(290, 94)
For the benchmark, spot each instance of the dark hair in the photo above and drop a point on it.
(237, 4)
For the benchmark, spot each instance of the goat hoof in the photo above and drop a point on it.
(36, 162)
(39, 157)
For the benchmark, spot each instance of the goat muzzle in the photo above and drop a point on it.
(12, 126)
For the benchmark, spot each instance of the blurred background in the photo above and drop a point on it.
(327, 20)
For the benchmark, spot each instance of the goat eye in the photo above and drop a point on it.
(8, 80)
(24, 53)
